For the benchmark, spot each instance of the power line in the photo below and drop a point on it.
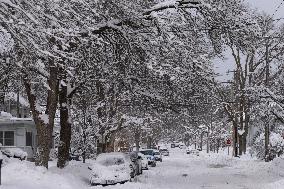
(277, 8)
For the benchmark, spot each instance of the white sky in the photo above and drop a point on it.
(268, 6)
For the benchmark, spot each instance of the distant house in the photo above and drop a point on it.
(17, 133)
(15, 104)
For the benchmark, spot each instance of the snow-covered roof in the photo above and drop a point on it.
(7, 117)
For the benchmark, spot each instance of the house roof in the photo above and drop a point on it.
(7, 118)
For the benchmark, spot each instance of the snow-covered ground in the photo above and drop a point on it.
(179, 171)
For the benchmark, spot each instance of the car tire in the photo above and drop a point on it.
(132, 173)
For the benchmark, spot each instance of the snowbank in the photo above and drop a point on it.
(18, 174)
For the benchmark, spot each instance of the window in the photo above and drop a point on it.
(29, 139)
(7, 138)
(1, 138)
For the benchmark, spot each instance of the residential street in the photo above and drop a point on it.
(179, 171)
(182, 171)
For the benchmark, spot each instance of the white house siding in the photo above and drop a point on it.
(20, 127)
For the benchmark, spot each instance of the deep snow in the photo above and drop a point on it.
(179, 171)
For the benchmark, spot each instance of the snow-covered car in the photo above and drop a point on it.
(164, 152)
(136, 159)
(149, 153)
(173, 145)
(158, 156)
(15, 153)
(112, 168)
(182, 146)
(144, 161)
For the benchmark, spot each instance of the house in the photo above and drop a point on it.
(18, 133)
(15, 104)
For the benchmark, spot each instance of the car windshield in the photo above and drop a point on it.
(147, 152)
(110, 161)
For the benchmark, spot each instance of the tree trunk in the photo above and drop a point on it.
(235, 138)
(240, 145)
(65, 127)
(43, 145)
(137, 139)
(266, 142)
(201, 141)
(44, 121)
(149, 142)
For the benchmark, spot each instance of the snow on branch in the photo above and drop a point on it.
(173, 4)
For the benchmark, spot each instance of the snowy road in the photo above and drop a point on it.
(179, 171)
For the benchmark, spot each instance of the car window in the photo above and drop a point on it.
(157, 153)
(147, 152)
(110, 161)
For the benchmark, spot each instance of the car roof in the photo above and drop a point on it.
(146, 149)
(114, 154)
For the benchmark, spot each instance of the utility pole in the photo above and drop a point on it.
(267, 131)
(234, 116)
(209, 128)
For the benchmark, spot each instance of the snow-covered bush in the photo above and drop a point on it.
(276, 145)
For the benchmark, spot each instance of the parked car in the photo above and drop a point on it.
(158, 156)
(188, 150)
(164, 152)
(173, 145)
(112, 168)
(182, 146)
(136, 159)
(192, 151)
(149, 153)
(75, 154)
(177, 144)
(15, 153)
(144, 161)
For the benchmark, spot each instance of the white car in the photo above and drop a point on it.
(112, 168)
(144, 161)
(15, 152)
(164, 152)
(158, 156)
(149, 153)
(192, 151)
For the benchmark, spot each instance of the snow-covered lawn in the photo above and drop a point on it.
(179, 171)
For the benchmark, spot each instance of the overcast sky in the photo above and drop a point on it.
(268, 6)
